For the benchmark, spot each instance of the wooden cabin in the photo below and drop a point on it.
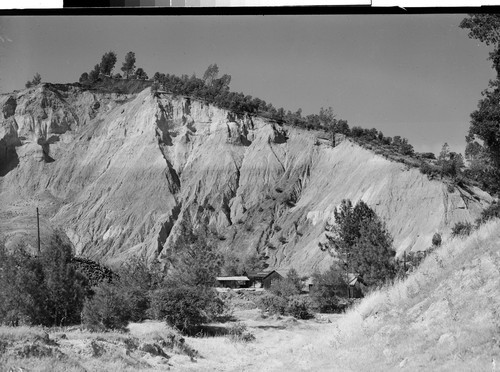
(263, 279)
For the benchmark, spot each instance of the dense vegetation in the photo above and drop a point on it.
(284, 297)
(56, 288)
(44, 289)
(483, 139)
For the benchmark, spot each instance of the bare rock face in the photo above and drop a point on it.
(119, 173)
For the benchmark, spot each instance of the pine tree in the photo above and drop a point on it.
(108, 62)
(361, 243)
(197, 262)
(128, 66)
(94, 74)
(211, 74)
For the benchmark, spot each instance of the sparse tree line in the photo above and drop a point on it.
(215, 89)
(108, 62)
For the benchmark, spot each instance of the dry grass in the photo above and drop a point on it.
(444, 316)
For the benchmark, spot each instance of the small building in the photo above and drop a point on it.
(356, 285)
(263, 279)
(232, 282)
(307, 285)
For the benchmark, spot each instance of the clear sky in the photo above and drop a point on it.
(418, 76)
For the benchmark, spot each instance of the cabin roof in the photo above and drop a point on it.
(232, 278)
(261, 274)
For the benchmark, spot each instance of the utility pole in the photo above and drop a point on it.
(347, 276)
(404, 261)
(38, 229)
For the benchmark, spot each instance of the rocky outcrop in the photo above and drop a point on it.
(119, 173)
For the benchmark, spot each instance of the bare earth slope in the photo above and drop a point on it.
(119, 173)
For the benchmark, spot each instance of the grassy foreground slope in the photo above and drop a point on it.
(445, 316)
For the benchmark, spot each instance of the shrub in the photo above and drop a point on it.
(137, 279)
(299, 307)
(185, 307)
(282, 240)
(427, 155)
(462, 229)
(283, 288)
(238, 332)
(294, 278)
(272, 304)
(436, 240)
(328, 289)
(493, 211)
(107, 309)
(410, 261)
(425, 168)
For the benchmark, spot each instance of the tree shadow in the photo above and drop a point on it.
(9, 160)
(271, 327)
(226, 318)
(208, 331)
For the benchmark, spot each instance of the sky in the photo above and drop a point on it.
(417, 76)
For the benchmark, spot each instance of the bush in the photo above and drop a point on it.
(328, 289)
(272, 304)
(493, 211)
(238, 332)
(425, 168)
(185, 307)
(462, 229)
(410, 261)
(299, 307)
(137, 279)
(107, 309)
(427, 155)
(436, 240)
(283, 288)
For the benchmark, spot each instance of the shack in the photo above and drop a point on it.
(232, 282)
(356, 285)
(263, 279)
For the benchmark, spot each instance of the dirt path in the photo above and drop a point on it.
(282, 344)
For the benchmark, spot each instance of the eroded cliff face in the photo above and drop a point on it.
(119, 173)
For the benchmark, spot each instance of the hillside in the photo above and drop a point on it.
(120, 172)
(442, 317)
